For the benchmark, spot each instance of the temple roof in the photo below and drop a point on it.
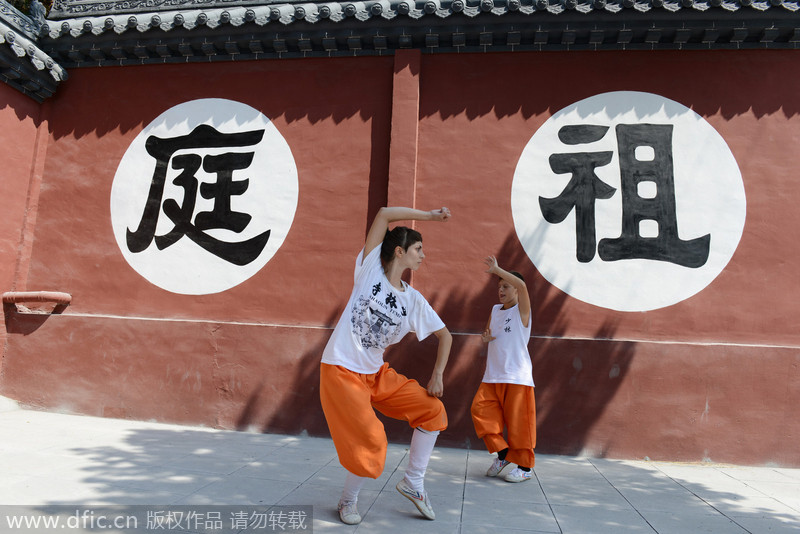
(24, 65)
(95, 33)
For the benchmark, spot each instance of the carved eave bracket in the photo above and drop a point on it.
(23, 63)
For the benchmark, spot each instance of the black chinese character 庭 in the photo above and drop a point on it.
(221, 216)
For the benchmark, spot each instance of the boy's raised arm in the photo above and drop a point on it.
(523, 299)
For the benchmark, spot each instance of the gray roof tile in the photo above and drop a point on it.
(83, 33)
(23, 64)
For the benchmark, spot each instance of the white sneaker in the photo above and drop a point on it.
(348, 513)
(518, 475)
(420, 500)
(496, 467)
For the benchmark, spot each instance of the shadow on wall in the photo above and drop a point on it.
(310, 90)
(648, 71)
(575, 379)
(759, 73)
(23, 320)
(575, 382)
(300, 410)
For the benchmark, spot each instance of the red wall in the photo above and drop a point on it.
(713, 377)
(19, 125)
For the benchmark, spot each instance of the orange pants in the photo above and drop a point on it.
(511, 406)
(348, 400)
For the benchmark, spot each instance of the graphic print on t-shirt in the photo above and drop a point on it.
(507, 328)
(376, 318)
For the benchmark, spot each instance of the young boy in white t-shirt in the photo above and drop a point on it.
(505, 398)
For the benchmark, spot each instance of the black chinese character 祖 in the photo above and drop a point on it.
(585, 187)
(667, 245)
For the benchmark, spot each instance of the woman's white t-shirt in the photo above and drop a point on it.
(508, 360)
(377, 315)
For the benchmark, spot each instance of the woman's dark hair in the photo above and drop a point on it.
(399, 236)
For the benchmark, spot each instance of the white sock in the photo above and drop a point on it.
(352, 486)
(419, 454)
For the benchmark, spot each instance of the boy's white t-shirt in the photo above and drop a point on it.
(508, 360)
(377, 315)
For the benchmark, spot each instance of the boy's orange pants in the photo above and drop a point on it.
(511, 406)
(348, 400)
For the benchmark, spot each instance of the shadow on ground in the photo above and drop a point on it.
(68, 460)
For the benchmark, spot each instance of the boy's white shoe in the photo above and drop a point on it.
(518, 475)
(420, 500)
(496, 467)
(348, 513)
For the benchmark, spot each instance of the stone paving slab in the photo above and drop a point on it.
(49, 459)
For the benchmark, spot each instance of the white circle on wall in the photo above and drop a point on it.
(204, 196)
(628, 201)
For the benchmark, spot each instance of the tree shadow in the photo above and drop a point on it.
(144, 468)
(569, 400)
(578, 379)
(300, 410)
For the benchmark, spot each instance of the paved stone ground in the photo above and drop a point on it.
(49, 459)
